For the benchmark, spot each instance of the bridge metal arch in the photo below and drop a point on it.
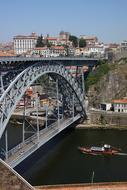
(19, 85)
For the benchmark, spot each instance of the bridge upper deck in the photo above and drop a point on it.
(77, 61)
(13, 59)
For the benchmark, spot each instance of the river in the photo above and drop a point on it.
(60, 162)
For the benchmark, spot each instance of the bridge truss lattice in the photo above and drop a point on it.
(16, 89)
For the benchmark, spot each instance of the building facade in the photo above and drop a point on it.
(24, 44)
(124, 45)
(89, 39)
(54, 51)
(41, 51)
(120, 105)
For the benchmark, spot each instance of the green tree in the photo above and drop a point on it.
(49, 44)
(82, 43)
(97, 74)
(74, 40)
(40, 42)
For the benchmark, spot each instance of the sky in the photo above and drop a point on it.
(106, 19)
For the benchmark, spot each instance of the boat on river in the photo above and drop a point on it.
(106, 149)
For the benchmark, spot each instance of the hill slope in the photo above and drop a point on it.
(107, 84)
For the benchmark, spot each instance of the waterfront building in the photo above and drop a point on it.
(105, 106)
(120, 105)
(23, 44)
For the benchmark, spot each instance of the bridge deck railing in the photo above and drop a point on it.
(34, 137)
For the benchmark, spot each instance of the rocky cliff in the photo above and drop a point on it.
(111, 85)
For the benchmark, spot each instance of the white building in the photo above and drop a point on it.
(54, 51)
(120, 105)
(57, 51)
(105, 106)
(23, 44)
(41, 51)
(89, 39)
(97, 49)
(124, 45)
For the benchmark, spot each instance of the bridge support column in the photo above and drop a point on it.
(23, 132)
(6, 145)
(83, 84)
(62, 107)
(37, 109)
(57, 89)
(23, 127)
(73, 108)
(46, 116)
(1, 84)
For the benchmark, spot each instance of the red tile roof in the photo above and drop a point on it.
(6, 53)
(58, 47)
(120, 101)
(40, 48)
(51, 38)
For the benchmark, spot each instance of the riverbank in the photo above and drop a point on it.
(96, 186)
(100, 127)
(99, 119)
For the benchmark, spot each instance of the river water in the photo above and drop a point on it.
(60, 162)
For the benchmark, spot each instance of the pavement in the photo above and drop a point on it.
(95, 186)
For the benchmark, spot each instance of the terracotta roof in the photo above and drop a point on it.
(58, 47)
(120, 101)
(41, 48)
(6, 53)
(51, 38)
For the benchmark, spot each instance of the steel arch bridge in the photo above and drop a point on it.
(18, 86)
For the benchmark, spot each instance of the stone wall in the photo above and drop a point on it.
(108, 118)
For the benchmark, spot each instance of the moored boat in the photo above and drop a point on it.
(106, 149)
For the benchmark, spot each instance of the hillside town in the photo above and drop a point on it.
(65, 44)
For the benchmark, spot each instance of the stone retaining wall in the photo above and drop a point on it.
(108, 118)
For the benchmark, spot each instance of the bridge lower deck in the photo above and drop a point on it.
(23, 150)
